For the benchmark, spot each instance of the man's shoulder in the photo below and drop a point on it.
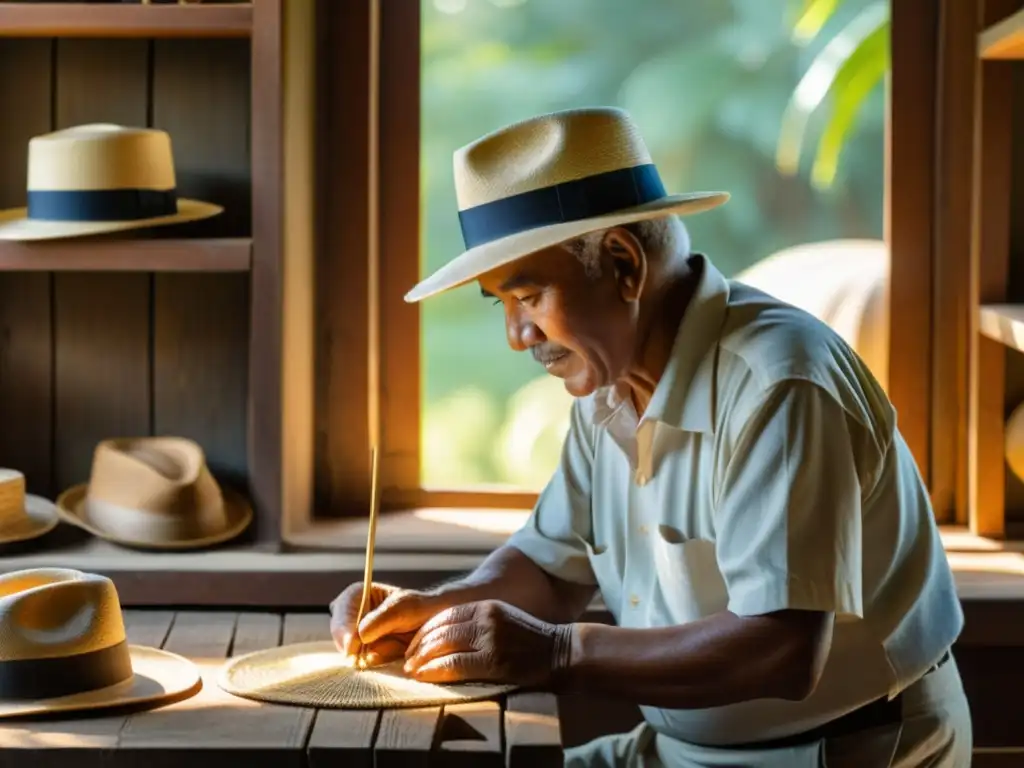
(776, 339)
(766, 344)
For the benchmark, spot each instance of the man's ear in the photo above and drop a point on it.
(629, 262)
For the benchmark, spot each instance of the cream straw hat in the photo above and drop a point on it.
(154, 493)
(63, 648)
(23, 516)
(98, 178)
(549, 179)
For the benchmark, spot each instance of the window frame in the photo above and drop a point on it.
(384, 396)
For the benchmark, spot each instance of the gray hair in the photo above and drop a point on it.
(660, 237)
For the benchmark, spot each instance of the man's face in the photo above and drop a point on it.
(579, 327)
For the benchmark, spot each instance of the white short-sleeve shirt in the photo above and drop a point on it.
(766, 473)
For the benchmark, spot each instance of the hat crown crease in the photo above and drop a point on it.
(46, 613)
(545, 151)
(154, 490)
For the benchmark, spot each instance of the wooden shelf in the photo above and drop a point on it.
(1004, 40)
(1004, 323)
(125, 20)
(216, 255)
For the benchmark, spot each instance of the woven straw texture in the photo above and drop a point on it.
(99, 157)
(317, 675)
(540, 152)
(23, 516)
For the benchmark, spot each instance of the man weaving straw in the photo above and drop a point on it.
(733, 483)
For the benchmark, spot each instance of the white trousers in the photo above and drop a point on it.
(935, 731)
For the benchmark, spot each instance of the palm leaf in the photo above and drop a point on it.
(813, 17)
(848, 64)
(857, 78)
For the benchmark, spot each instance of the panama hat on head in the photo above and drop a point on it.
(23, 516)
(63, 648)
(549, 179)
(99, 178)
(154, 493)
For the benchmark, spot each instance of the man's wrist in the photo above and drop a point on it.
(564, 654)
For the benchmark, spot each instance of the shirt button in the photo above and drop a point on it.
(643, 529)
(634, 600)
(641, 478)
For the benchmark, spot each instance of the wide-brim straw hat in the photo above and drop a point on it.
(317, 674)
(549, 179)
(23, 516)
(63, 649)
(100, 178)
(155, 493)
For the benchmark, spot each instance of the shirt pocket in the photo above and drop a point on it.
(689, 584)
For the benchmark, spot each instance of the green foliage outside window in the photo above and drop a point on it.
(716, 88)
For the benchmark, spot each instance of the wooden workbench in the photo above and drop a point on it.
(214, 728)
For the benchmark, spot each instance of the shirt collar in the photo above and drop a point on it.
(682, 399)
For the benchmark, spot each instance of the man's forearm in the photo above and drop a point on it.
(718, 660)
(511, 577)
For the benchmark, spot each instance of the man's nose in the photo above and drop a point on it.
(522, 332)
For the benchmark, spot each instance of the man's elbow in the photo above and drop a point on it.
(799, 681)
(805, 647)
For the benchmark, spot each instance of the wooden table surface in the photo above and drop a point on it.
(214, 728)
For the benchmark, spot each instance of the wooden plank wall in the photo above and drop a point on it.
(85, 356)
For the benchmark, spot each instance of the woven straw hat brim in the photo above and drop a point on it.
(73, 507)
(14, 224)
(483, 258)
(41, 517)
(315, 675)
(160, 677)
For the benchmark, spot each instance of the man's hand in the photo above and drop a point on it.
(488, 641)
(392, 618)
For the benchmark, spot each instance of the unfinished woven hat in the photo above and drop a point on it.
(552, 178)
(63, 648)
(23, 516)
(154, 493)
(317, 674)
(98, 178)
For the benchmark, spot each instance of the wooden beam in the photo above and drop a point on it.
(909, 222)
(953, 159)
(400, 364)
(988, 277)
(342, 459)
(266, 449)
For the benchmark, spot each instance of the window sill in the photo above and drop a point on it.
(241, 576)
(417, 550)
(441, 529)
